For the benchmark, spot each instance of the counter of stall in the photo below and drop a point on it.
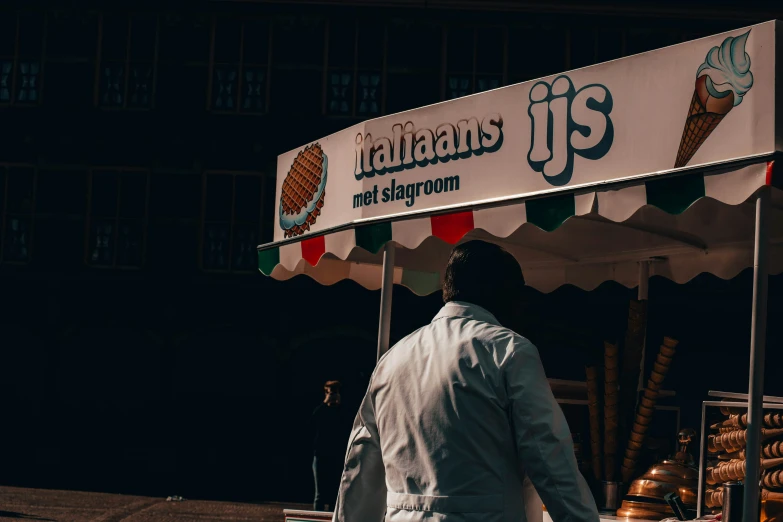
(292, 515)
(700, 479)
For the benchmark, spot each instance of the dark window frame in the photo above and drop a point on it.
(168, 63)
(117, 219)
(562, 35)
(355, 70)
(126, 63)
(232, 222)
(476, 71)
(241, 65)
(398, 71)
(31, 216)
(18, 57)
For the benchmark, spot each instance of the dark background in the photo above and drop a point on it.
(140, 351)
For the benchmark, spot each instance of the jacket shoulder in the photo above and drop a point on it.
(403, 341)
(495, 333)
(504, 342)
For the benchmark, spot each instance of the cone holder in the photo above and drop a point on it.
(723, 450)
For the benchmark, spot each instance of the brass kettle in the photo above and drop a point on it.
(677, 474)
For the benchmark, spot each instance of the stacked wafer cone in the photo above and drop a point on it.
(595, 424)
(773, 479)
(736, 440)
(726, 448)
(646, 407)
(611, 400)
(633, 350)
(604, 452)
(772, 450)
(735, 470)
(771, 420)
(714, 497)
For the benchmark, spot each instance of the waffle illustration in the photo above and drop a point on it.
(303, 191)
(722, 81)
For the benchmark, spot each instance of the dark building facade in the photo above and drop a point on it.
(140, 351)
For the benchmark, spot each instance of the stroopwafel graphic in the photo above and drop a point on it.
(303, 192)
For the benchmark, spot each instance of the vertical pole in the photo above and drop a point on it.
(702, 451)
(757, 346)
(387, 286)
(644, 279)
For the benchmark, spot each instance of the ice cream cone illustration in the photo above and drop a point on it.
(303, 192)
(721, 83)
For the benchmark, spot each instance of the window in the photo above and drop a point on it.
(298, 65)
(117, 218)
(413, 64)
(581, 46)
(354, 78)
(183, 63)
(536, 52)
(232, 221)
(475, 60)
(240, 66)
(71, 54)
(17, 209)
(128, 56)
(60, 211)
(21, 58)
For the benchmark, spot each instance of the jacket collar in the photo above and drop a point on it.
(467, 310)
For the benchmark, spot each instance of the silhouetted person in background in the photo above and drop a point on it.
(332, 426)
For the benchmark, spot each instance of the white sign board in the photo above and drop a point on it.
(699, 103)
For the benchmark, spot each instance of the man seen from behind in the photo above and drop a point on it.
(459, 417)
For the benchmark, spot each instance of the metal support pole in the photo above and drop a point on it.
(758, 335)
(644, 280)
(702, 452)
(387, 286)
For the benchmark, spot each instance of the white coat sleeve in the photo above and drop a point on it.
(544, 445)
(362, 495)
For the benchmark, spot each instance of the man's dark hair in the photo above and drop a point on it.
(483, 274)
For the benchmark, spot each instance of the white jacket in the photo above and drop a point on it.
(456, 416)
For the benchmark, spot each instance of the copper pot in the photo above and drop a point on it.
(656, 489)
(671, 471)
(644, 510)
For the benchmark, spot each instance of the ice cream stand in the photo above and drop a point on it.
(659, 164)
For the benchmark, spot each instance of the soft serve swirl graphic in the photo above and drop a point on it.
(728, 69)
